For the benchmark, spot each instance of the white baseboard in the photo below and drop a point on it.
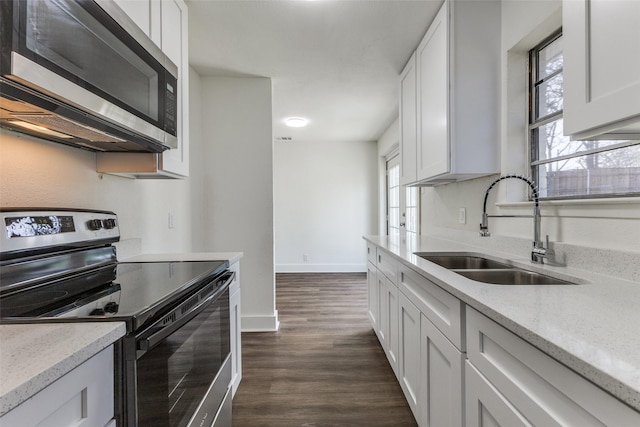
(260, 323)
(321, 268)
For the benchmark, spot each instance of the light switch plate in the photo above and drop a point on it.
(462, 216)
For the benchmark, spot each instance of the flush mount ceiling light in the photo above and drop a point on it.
(296, 122)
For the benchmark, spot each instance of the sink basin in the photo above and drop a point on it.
(462, 262)
(512, 277)
(476, 267)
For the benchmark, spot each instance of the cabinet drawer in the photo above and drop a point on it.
(81, 398)
(443, 309)
(542, 389)
(387, 265)
(371, 253)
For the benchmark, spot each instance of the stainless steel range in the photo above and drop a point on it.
(173, 368)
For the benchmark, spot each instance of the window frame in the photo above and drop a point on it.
(536, 123)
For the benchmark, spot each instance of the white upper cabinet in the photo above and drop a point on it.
(408, 123)
(175, 45)
(166, 23)
(457, 67)
(601, 68)
(433, 94)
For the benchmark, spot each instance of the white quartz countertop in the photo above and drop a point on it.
(591, 327)
(35, 355)
(232, 257)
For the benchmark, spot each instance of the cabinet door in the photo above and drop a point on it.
(373, 307)
(432, 59)
(440, 378)
(546, 392)
(408, 123)
(485, 406)
(392, 329)
(146, 14)
(139, 11)
(601, 65)
(174, 35)
(409, 352)
(383, 313)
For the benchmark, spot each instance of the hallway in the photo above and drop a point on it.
(325, 366)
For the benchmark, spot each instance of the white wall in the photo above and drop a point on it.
(606, 224)
(238, 187)
(38, 173)
(325, 200)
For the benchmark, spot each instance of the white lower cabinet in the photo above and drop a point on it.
(485, 406)
(373, 293)
(383, 308)
(457, 367)
(391, 311)
(441, 378)
(82, 398)
(383, 312)
(527, 384)
(409, 352)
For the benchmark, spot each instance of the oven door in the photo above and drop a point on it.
(182, 368)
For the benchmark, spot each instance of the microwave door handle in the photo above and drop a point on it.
(146, 344)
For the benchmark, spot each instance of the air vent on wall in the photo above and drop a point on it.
(284, 138)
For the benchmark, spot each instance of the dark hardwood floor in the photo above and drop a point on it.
(325, 366)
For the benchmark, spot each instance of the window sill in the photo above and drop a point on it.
(615, 208)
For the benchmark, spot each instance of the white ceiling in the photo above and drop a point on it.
(335, 63)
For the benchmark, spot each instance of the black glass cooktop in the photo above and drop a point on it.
(130, 292)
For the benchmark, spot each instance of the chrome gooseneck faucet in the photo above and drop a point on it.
(539, 251)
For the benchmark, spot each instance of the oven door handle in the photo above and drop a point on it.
(145, 344)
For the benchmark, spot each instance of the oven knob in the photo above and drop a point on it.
(94, 224)
(111, 307)
(109, 223)
(97, 312)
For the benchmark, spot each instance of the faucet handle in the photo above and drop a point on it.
(484, 226)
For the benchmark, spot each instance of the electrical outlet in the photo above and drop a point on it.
(462, 216)
(305, 257)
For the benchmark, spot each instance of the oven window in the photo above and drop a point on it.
(174, 376)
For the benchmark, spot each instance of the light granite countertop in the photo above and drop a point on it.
(32, 356)
(591, 327)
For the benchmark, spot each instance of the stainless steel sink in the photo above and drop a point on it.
(511, 277)
(481, 269)
(462, 262)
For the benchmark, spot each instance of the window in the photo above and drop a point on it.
(402, 204)
(393, 196)
(563, 168)
(411, 210)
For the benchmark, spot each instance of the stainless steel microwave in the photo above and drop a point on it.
(82, 73)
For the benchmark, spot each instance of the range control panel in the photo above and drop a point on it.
(27, 230)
